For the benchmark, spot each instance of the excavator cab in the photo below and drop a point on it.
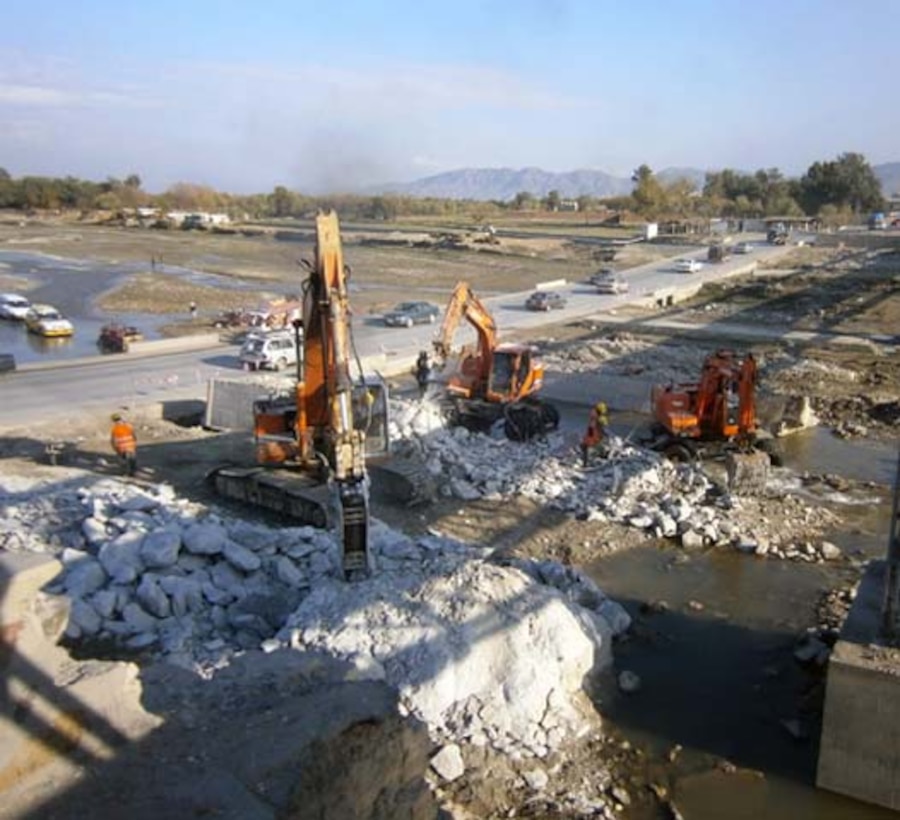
(275, 428)
(714, 416)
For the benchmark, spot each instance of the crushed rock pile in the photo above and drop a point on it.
(488, 653)
(634, 486)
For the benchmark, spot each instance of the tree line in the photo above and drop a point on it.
(838, 190)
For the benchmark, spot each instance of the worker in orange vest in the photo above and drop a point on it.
(595, 436)
(124, 442)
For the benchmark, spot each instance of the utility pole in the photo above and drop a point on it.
(892, 570)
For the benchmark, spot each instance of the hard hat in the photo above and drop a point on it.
(600, 407)
(116, 417)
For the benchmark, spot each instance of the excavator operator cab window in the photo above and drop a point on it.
(502, 373)
(370, 414)
(523, 369)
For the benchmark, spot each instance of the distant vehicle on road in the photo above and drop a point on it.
(688, 265)
(743, 247)
(610, 283)
(273, 350)
(407, 314)
(47, 321)
(545, 300)
(603, 273)
(13, 306)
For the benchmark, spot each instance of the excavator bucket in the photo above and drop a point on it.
(747, 472)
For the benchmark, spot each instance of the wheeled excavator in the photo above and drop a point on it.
(313, 446)
(715, 417)
(491, 381)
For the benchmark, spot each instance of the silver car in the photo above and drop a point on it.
(13, 306)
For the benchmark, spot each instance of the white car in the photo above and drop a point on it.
(688, 265)
(743, 247)
(13, 306)
(610, 283)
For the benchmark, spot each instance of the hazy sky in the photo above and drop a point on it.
(337, 95)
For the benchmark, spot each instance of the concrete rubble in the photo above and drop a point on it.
(634, 487)
(480, 652)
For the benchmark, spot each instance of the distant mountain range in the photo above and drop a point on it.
(504, 183)
(888, 174)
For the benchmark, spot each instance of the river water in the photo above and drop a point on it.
(716, 664)
(74, 286)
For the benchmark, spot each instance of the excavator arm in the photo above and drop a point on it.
(324, 427)
(464, 304)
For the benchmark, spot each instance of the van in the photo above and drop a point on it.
(271, 351)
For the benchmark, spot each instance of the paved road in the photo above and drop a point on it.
(39, 392)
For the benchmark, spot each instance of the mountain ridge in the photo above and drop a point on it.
(504, 183)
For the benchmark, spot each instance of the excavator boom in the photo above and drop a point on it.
(318, 435)
(493, 381)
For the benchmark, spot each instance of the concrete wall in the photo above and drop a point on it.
(859, 755)
(860, 239)
(229, 402)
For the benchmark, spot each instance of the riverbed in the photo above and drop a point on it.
(728, 720)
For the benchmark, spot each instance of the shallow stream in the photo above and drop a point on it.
(716, 658)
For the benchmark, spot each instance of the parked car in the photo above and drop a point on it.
(545, 300)
(407, 314)
(13, 306)
(743, 247)
(688, 265)
(46, 320)
(611, 283)
(268, 351)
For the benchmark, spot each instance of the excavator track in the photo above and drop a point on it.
(282, 491)
(402, 480)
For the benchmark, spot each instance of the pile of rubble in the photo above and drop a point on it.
(481, 652)
(633, 486)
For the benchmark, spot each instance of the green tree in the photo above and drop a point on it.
(648, 196)
(847, 182)
(524, 201)
(552, 200)
(282, 202)
(383, 207)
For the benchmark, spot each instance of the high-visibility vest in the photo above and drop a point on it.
(596, 429)
(122, 438)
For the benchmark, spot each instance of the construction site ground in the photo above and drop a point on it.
(700, 734)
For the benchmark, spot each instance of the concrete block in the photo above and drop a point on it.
(22, 575)
(859, 753)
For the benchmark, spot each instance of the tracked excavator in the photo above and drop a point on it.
(716, 417)
(490, 381)
(314, 447)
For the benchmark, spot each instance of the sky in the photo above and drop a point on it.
(339, 96)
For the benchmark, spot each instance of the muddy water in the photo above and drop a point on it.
(718, 675)
(73, 285)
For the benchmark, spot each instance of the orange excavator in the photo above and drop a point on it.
(491, 381)
(312, 446)
(714, 417)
